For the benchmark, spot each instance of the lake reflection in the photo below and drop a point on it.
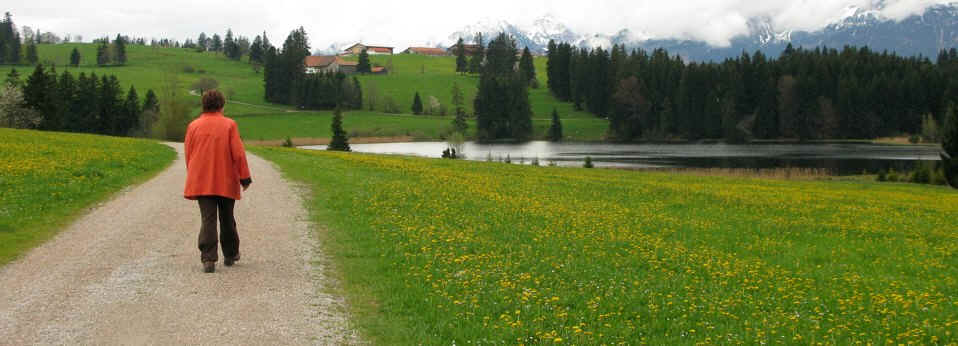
(838, 158)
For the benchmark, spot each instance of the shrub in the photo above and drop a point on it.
(921, 175)
(535, 161)
(288, 143)
(188, 69)
(914, 139)
(938, 177)
(588, 162)
(882, 176)
(893, 176)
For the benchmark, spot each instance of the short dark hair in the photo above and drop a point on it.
(213, 101)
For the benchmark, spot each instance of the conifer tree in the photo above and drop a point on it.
(13, 78)
(102, 54)
(555, 130)
(256, 51)
(461, 63)
(363, 66)
(75, 58)
(32, 57)
(202, 42)
(340, 141)
(526, 66)
(119, 45)
(67, 92)
(216, 44)
(475, 64)
(151, 103)
(949, 146)
(459, 124)
(110, 106)
(131, 113)
(417, 104)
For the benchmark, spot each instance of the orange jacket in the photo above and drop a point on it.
(215, 158)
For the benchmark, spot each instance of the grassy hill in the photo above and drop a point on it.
(453, 252)
(154, 67)
(46, 178)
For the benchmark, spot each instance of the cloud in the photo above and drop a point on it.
(403, 23)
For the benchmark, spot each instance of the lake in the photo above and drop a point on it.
(839, 159)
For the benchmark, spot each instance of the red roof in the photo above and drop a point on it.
(320, 61)
(377, 69)
(323, 61)
(379, 49)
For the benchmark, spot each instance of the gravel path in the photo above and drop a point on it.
(129, 272)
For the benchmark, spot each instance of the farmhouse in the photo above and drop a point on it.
(426, 51)
(371, 50)
(471, 49)
(329, 64)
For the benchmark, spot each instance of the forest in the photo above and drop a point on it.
(804, 94)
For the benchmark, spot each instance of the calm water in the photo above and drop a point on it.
(838, 158)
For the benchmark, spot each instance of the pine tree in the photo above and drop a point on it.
(13, 78)
(475, 64)
(363, 66)
(256, 51)
(457, 98)
(461, 63)
(151, 103)
(110, 106)
(131, 113)
(102, 54)
(340, 141)
(75, 58)
(231, 47)
(119, 45)
(526, 66)
(202, 43)
(216, 44)
(32, 57)
(459, 124)
(67, 93)
(555, 130)
(417, 104)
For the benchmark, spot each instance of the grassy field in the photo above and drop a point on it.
(435, 76)
(47, 178)
(151, 68)
(452, 252)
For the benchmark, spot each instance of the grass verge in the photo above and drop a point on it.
(47, 179)
(441, 251)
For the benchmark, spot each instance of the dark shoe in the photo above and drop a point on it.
(209, 267)
(229, 261)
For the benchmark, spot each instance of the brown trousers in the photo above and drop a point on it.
(209, 205)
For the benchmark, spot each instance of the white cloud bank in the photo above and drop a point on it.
(403, 23)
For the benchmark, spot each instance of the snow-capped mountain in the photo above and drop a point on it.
(925, 34)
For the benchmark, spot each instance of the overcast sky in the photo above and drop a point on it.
(404, 23)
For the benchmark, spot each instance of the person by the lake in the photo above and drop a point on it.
(216, 170)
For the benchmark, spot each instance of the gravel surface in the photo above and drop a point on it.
(129, 272)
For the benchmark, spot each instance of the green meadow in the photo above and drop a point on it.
(49, 178)
(154, 68)
(440, 252)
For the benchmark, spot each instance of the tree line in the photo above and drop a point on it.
(233, 47)
(286, 81)
(85, 103)
(804, 94)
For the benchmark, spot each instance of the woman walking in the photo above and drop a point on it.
(216, 168)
